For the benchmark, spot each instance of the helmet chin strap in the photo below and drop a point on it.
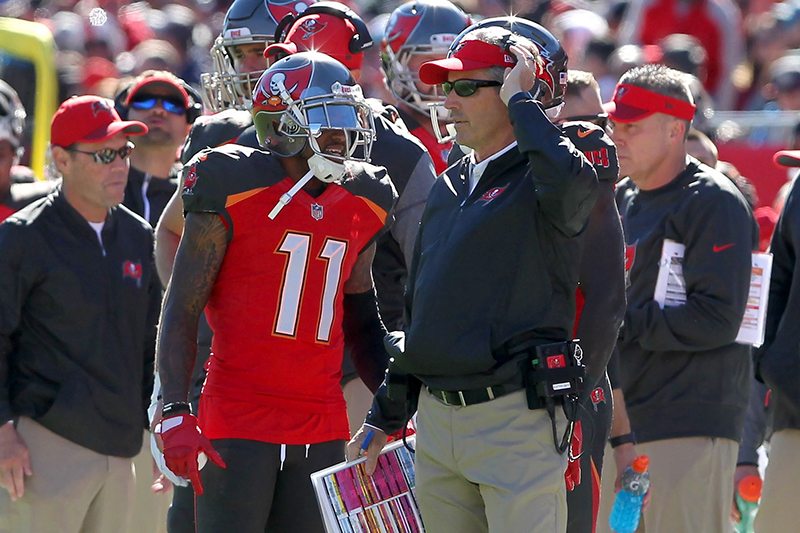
(321, 168)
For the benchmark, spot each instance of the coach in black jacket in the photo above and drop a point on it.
(79, 302)
(778, 365)
(496, 259)
(684, 377)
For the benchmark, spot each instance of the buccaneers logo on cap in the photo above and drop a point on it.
(100, 106)
(280, 8)
(311, 27)
(276, 89)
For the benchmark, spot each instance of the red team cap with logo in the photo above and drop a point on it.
(632, 103)
(319, 32)
(89, 119)
(470, 55)
(161, 80)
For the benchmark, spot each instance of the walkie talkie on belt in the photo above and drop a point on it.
(553, 375)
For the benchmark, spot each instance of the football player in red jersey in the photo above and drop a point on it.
(420, 31)
(280, 250)
(336, 30)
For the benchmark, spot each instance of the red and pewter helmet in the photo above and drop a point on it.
(246, 22)
(300, 96)
(418, 27)
(554, 76)
(328, 27)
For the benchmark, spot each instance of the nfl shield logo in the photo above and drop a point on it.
(316, 212)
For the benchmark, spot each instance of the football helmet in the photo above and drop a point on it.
(553, 78)
(328, 27)
(246, 22)
(418, 27)
(12, 117)
(301, 96)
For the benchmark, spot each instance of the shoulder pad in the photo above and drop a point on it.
(215, 130)
(213, 175)
(596, 145)
(373, 183)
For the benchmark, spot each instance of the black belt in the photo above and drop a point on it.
(464, 398)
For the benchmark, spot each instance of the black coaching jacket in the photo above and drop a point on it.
(78, 324)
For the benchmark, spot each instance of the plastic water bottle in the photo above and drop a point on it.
(627, 508)
(748, 492)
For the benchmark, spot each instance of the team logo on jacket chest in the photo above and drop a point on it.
(132, 271)
(316, 211)
(492, 193)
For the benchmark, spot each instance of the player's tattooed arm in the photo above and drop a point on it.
(360, 279)
(197, 264)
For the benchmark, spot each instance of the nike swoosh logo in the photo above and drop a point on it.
(721, 247)
(584, 133)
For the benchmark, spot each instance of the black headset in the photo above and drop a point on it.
(194, 110)
(358, 43)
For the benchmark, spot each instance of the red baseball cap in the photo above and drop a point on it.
(323, 33)
(162, 80)
(470, 55)
(632, 103)
(787, 158)
(89, 119)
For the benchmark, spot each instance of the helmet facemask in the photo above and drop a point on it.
(302, 123)
(402, 80)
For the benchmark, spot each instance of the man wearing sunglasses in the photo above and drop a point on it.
(79, 301)
(494, 274)
(164, 103)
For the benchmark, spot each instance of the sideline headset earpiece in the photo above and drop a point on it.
(194, 110)
(358, 42)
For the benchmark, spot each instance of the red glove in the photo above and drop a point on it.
(183, 442)
(572, 476)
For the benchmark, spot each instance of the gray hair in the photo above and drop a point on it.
(662, 80)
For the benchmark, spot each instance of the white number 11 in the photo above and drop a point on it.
(296, 246)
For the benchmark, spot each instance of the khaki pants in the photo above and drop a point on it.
(778, 511)
(72, 489)
(691, 486)
(149, 510)
(489, 467)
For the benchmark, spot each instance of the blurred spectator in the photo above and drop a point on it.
(95, 71)
(784, 85)
(596, 60)
(155, 54)
(715, 23)
(575, 29)
(685, 53)
(699, 146)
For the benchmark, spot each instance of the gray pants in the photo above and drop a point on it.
(489, 467)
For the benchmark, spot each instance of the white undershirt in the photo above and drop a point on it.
(145, 199)
(98, 228)
(478, 168)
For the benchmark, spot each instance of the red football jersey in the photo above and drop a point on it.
(276, 306)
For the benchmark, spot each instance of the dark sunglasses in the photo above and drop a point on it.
(466, 87)
(170, 104)
(601, 119)
(106, 156)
